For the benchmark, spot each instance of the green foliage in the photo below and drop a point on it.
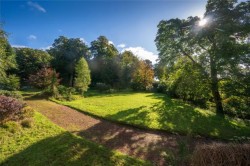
(158, 111)
(12, 94)
(30, 61)
(7, 63)
(82, 79)
(12, 126)
(10, 82)
(36, 145)
(102, 48)
(105, 63)
(65, 93)
(218, 49)
(128, 64)
(187, 82)
(101, 87)
(237, 106)
(66, 52)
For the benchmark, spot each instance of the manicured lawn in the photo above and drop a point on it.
(158, 111)
(47, 144)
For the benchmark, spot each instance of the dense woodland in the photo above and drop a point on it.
(204, 65)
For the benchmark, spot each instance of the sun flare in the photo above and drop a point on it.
(202, 22)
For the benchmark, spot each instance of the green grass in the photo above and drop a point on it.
(157, 111)
(47, 144)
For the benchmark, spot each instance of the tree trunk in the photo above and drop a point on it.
(71, 80)
(214, 86)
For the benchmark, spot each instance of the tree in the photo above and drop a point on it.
(45, 78)
(7, 63)
(82, 79)
(30, 61)
(104, 65)
(143, 76)
(66, 52)
(212, 47)
(128, 66)
(187, 82)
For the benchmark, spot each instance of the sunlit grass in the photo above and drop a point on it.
(47, 144)
(157, 111)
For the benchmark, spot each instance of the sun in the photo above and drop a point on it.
(202, 22)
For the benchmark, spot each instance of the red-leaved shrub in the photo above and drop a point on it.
(9, 108)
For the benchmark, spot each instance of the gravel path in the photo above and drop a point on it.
(148, 145)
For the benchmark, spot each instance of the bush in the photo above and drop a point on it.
(26, 112)
(65, 93)
(101, 87)
(222, 154)
(237, 106)
(28, 123)
(13, 94)
(11, 82)
(9, 108)
(12, 126)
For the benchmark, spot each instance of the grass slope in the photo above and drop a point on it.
(157, 111)
(47, 144)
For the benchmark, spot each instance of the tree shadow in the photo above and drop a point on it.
(177, 116)
(66, 149)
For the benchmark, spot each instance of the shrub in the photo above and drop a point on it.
(12, 126)
(28, 123)
(10, 82)
(13, 94)
(65, 93)
(9, 108)
(221, 154)
(102, 87)
(26, 112)
(237, 106)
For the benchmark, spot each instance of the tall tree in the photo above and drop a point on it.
(143, 76)
(30, 61)
(66, 52)
(7, 63)
(104, 65)
(128, 65)
(82, 79)
(213, 46)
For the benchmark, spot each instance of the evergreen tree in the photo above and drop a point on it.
(82, 79)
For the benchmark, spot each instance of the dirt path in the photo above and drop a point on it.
(149, 145)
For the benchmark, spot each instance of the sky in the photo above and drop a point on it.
(129, 25)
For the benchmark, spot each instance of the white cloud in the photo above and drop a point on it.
(110, 42)
(19, 46)
(36, 6)
(83, 40)
(142, 53)
(45, 48)
(32, 37)
(121, 45)
(59, 30)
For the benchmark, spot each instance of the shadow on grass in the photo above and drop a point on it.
(66, 149)
(176, 116)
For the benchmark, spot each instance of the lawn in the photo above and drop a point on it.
(158, 111)
(47, 144)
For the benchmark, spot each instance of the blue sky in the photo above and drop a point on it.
(130, 25)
